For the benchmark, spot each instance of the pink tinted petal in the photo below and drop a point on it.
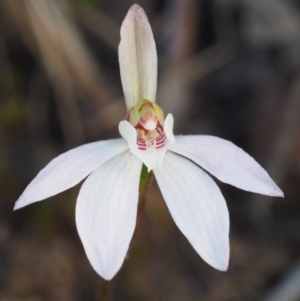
(227, 162)
(197, 207)
(151, 157)
(68, 169)
(106, 212)
(137, 57)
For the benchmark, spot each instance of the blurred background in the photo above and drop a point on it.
(229, 68)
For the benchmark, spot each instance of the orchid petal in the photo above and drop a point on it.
(138, 58)
(106, 212)
(168, 128)
(128, 132)
(197, 207)
(68, 169)
(227, 162)
(151, 157)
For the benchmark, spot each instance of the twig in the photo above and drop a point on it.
(279, 159)
(185, 68)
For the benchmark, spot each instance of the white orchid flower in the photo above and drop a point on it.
(106, 208)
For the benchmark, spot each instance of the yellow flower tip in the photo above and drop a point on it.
(146, 114)
(148, 120)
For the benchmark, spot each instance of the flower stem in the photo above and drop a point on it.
(145, 182)
(105, 293)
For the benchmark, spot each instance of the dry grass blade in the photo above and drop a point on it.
(102, 27)
(49, 31)
(51, 50)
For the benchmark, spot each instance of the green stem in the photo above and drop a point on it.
(145, 182)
